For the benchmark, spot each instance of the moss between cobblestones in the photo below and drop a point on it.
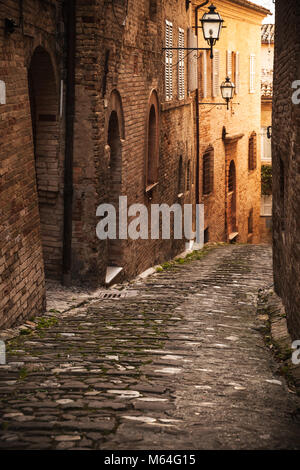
(194, 256)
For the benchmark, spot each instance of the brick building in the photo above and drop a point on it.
(230, 140)
(286, 160)
(91, 109)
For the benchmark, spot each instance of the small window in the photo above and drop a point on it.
(250, 222)
(208, 171)
(252, 152)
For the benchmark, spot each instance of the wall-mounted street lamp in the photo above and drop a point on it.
(211, 25)
(227, 90)
(269, 132)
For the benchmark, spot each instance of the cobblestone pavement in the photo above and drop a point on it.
(177, 363)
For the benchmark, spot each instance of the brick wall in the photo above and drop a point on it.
(286, 162)
(30, 189)
(119, 73)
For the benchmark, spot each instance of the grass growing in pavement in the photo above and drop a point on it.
(195, 255)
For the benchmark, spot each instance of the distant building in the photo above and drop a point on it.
(230, 143)
(286, 160)
(267, 65)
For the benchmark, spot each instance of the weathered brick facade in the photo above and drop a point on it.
(48, 215)
(30, 67)
(115, 87)
(286, 161)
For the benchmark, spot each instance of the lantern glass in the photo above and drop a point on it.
(227, 89)
(211, 25)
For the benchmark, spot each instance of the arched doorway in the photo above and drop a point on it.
(231, 203)
(115, 184)
(44, 104)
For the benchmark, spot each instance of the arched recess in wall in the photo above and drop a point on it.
(152, 150)
(115, 136)
(44, 106)
(231, 217)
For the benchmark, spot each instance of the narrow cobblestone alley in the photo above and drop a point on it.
(177, 363)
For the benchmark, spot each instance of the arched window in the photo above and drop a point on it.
(180, 176)
(231, 177)
(208, 171)
(188, 176)
(152, 143)
(252, 153)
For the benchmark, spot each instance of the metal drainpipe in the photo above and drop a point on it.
(198, 116)
(69, 139)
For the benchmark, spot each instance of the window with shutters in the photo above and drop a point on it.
(181, 83)
(252, 73)
(266, 205)
(252, 152)
(208, 171)
(169, 61)
(229, 68)
(203, 63)
(216, 74)
(266, 146)
(192, 60)
(237, 72)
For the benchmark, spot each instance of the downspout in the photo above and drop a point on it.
(70, 6)
(197, 115)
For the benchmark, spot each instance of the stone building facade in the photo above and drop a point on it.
(88, 114)
(286, 160)
(230, 139)
(267, 71)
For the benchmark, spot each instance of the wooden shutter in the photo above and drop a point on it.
(252, 73)
(181, 83)
(216, 74)
(237, 73)
(169, 61)
(192, 61)
(229, 64)
(266, 205)
(204, 74)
